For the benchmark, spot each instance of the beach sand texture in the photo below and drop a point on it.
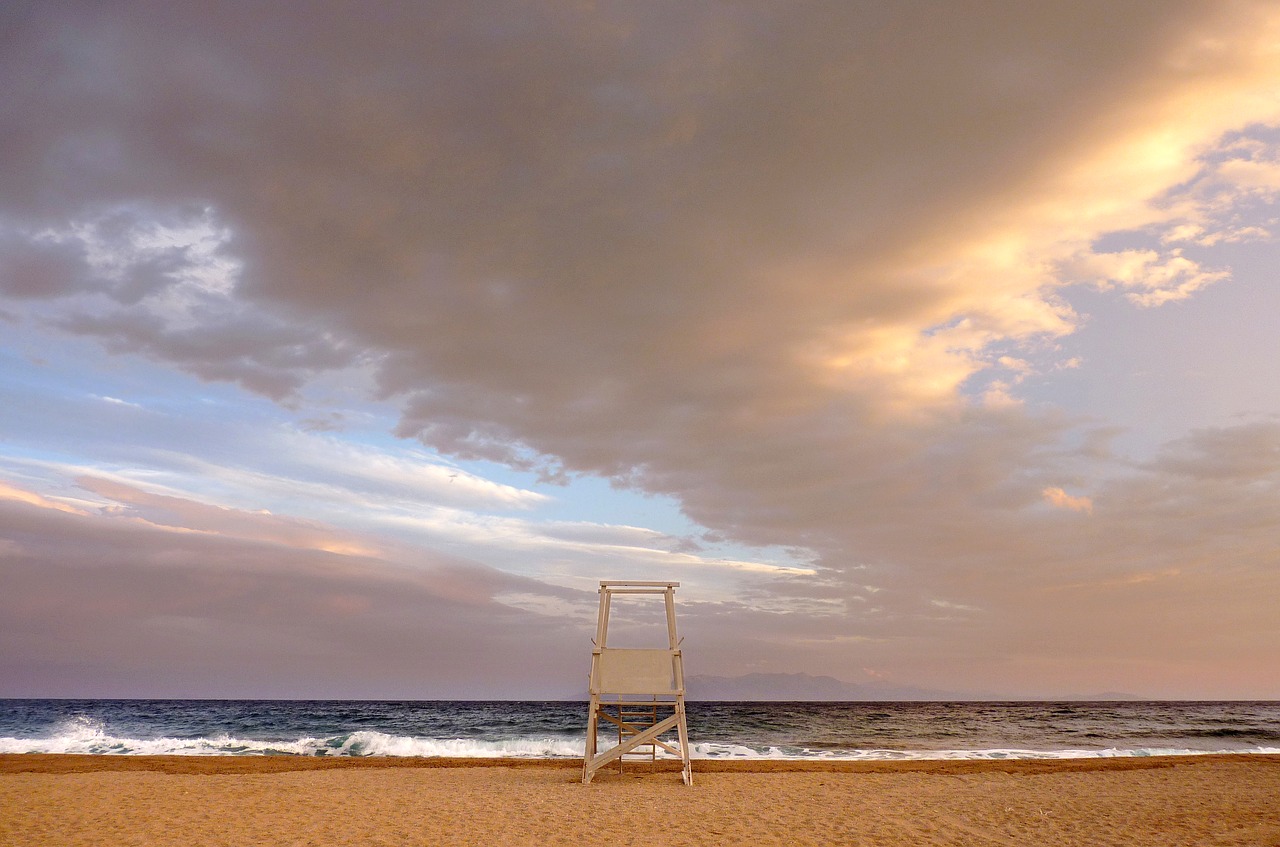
(152, 801)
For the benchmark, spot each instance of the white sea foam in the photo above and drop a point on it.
(367, 743)
(87, 735)
(742, 752)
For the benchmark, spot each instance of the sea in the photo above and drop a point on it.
(717, 730)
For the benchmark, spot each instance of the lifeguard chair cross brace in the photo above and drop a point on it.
(630, 687)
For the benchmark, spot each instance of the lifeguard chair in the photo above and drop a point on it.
(635, 688)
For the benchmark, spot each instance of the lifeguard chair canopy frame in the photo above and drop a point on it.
(629, 686)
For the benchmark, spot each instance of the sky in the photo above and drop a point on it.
(343, 350)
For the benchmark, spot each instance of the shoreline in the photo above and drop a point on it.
(63, 763)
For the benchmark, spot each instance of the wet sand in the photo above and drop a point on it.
(186, 800)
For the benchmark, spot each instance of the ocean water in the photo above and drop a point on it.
(849, 731)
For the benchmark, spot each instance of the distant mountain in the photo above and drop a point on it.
(802, 686)
(1104, 696)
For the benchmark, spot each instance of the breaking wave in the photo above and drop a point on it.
(89, 736)
(86, 735)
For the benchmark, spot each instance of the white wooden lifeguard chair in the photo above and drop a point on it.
(630, 687)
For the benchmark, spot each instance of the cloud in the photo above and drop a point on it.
(1157, 278)
(158, 283)
(13, 493)
(99, 606)
(791, 267)
(409, 477)
(1063, 500)
(1246, 453)
(41, 267)
(118, 402)
(494, 229)
(180, 513)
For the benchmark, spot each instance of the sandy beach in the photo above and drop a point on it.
(152, 801)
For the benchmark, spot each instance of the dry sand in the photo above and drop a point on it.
(83, 800)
